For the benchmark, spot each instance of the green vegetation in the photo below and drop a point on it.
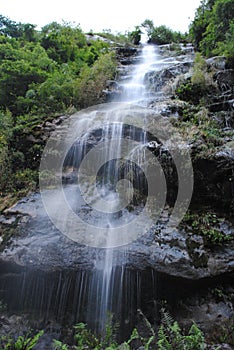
(212, 30)
(225, 333)
(196, 125)
(162, 35)
(116, 39)
(43, 74)
(135, 36)
(206, 224)
(169, 337)
(199, 86)
(26, 342)
(40, 71)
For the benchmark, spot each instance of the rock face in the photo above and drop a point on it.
(38, 244)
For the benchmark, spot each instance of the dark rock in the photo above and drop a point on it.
(113, 90)
(126, 51)
(213, 179)
(70, 177)
(196, 251)
(219, 347)
(126, 55)
(223, 102)
(225, 79)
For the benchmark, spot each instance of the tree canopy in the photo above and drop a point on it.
(161, 35)
(40, 70)
(43, 73)
(212, 30)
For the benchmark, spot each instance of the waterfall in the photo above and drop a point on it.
(111, 286)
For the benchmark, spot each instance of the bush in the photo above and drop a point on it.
(135, 36)
(5, 170)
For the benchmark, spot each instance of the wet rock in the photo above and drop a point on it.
(70, 177)
(174, 50)
(156, 80)
(41, 246)
(13, 325)
(217, 62)
(196, 251)
(4, 220)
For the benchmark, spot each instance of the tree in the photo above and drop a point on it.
(17, 30)
(135, 35)
(161, 35)
(212, 28)
(148, 24)
(62, 42)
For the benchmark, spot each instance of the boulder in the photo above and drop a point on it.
(217, 62)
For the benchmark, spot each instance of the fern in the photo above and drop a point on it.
(166, 318)
(58, 345)
(21, 343)
(163, 343)
(170, 335)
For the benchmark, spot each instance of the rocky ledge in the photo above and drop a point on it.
(37, 244)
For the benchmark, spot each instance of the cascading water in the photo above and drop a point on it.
(134, 89)
(106, 290)
(109, 289)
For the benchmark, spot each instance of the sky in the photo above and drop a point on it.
(119, 15)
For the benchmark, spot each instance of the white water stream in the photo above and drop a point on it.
(107, 289)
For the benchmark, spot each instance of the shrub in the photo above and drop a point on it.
(197, 88)
(88, 89)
